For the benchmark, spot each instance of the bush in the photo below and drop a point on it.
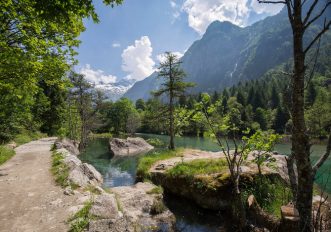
(155, 142)
(270, 193)
(5, 154)
(27, 136)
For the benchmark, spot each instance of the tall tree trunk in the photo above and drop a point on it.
(171, 126)
(300, 140)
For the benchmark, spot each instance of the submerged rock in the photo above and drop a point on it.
(129, 146)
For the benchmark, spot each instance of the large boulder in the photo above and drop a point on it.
(129, 146)
(213, 190)
(70, 145)
(142, 210)
(105, 206)
(80, 174)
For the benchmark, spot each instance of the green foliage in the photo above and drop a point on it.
(155, 142)
(146, 162)
(198, 167)
(5, 154)
(120, 116)
(156, 190)
(27, 136)
(60, 170)
(270, 193)
(37, 44)
(80, 220)
(262, 144)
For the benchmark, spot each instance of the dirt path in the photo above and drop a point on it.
(29, 198)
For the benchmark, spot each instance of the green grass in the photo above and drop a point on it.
(198, 167)
(60, 170)
(146, 162)
(28, 136)
(271, 194)
(156, 190)
(5, 154)
(80, 220)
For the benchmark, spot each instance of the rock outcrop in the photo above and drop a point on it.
(210, 191)
(129, 208)
(69, 145)
(80, 174)
(135, 210)
(129, 146)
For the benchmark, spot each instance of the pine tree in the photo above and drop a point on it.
(274, 98)
(311, 95)
(173, 86)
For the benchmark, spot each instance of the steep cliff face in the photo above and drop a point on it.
(228, 54)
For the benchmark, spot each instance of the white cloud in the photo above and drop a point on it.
(271, 9)
(97, 76)
(173, 4)
(137, 59)
(203, 12)
(161, 57)
(116, 45)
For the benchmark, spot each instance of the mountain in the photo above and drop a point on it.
(228, 54)
(116, 90)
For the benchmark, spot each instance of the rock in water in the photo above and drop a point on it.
(69, 145)
(129, 146)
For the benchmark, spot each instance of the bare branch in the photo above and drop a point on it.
(308, 23)
(326, 155)
(311, 75)
(326, 27)
(311, 9)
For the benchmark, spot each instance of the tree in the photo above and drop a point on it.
(311, 95)
(140, 104)
(260, 117)
(37, 46)
(280, 120)
(119, 114)
(274, 98)
(301, 21)
(173, 86)
(221, 126)
(87, 102)
(133, 122)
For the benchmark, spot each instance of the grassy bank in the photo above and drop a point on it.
(5, 154)
(146, 162)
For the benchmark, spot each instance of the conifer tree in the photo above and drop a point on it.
(173, 87)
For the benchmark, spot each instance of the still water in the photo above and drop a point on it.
(121, 171)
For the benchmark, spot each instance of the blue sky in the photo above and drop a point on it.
(129, 39)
